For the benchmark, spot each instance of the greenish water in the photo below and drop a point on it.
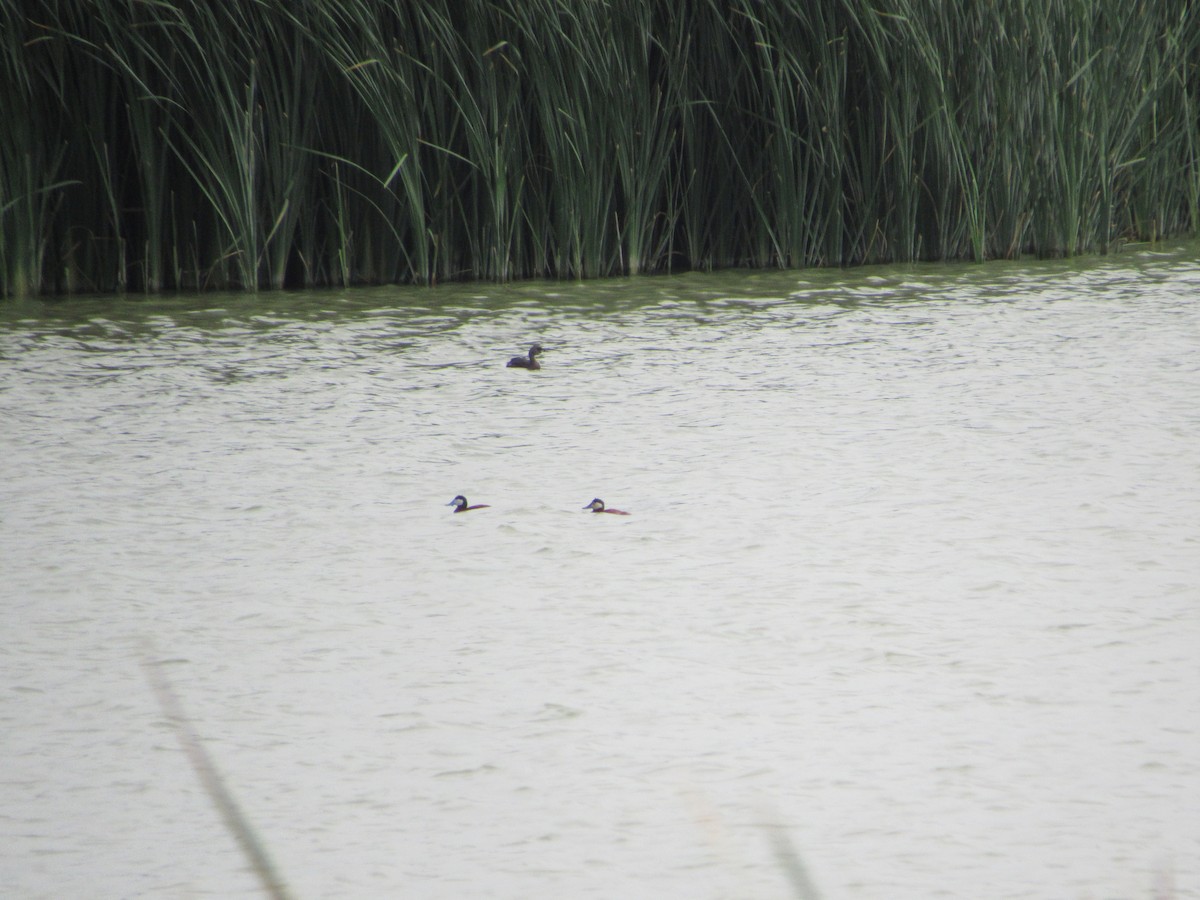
(911, 575)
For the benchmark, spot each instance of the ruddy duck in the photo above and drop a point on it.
(460, 504)
(597, 505)
(527, 362)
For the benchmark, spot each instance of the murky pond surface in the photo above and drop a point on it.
(910, 591)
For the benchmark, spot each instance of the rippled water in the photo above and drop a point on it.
(909, 590)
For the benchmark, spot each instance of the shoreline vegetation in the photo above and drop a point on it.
(191, 145)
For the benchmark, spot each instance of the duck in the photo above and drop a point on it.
(597, 505)
(460, 504)
(527, 362)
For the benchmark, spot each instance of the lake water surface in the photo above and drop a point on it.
(910, 592)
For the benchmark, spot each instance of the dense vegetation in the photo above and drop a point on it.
(159, 144)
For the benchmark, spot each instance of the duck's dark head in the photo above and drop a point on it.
(596, 505)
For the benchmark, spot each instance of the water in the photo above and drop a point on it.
(909, 592)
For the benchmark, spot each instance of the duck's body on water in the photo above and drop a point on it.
(597, 506)
(527, 362)
(460, 504)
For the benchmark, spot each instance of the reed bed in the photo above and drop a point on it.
(185, 144)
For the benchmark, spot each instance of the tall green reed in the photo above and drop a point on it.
(32, 155)
(188, 144)
(570, 151)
